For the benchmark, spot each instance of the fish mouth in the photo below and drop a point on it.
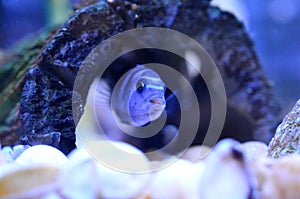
(157, 103)
(157, 107)
(157, 100)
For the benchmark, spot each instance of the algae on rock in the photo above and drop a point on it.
(287, 137)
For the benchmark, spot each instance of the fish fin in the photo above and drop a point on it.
(103, 93)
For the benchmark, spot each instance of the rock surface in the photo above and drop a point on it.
(46, 104)
(287, 137)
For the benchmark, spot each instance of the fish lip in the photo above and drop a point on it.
(154, 107)
(157, 101)
(157, 97)
(158, 107)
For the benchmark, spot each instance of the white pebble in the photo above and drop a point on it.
(8, 151)
(196, 153)
(225, 174)
(77, 179)
(3, 158)
(28, 181)
(178, 180)
(18, 150)
(42, 154)
(254, 149)
(120, 169)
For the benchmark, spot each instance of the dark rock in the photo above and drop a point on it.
(46, 104)
(13, 76)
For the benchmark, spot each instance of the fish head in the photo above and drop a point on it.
(147, 102)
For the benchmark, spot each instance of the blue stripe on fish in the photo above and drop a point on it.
(156, 87)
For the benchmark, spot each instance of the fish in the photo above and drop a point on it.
(135, 100)
(140, 98)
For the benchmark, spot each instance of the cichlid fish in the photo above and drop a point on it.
(134, 100)
(137, 99)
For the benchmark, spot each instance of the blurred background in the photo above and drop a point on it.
(273, 25)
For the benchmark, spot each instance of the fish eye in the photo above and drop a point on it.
(140, 86)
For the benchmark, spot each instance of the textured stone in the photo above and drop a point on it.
(287, 137)
(46, 104)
